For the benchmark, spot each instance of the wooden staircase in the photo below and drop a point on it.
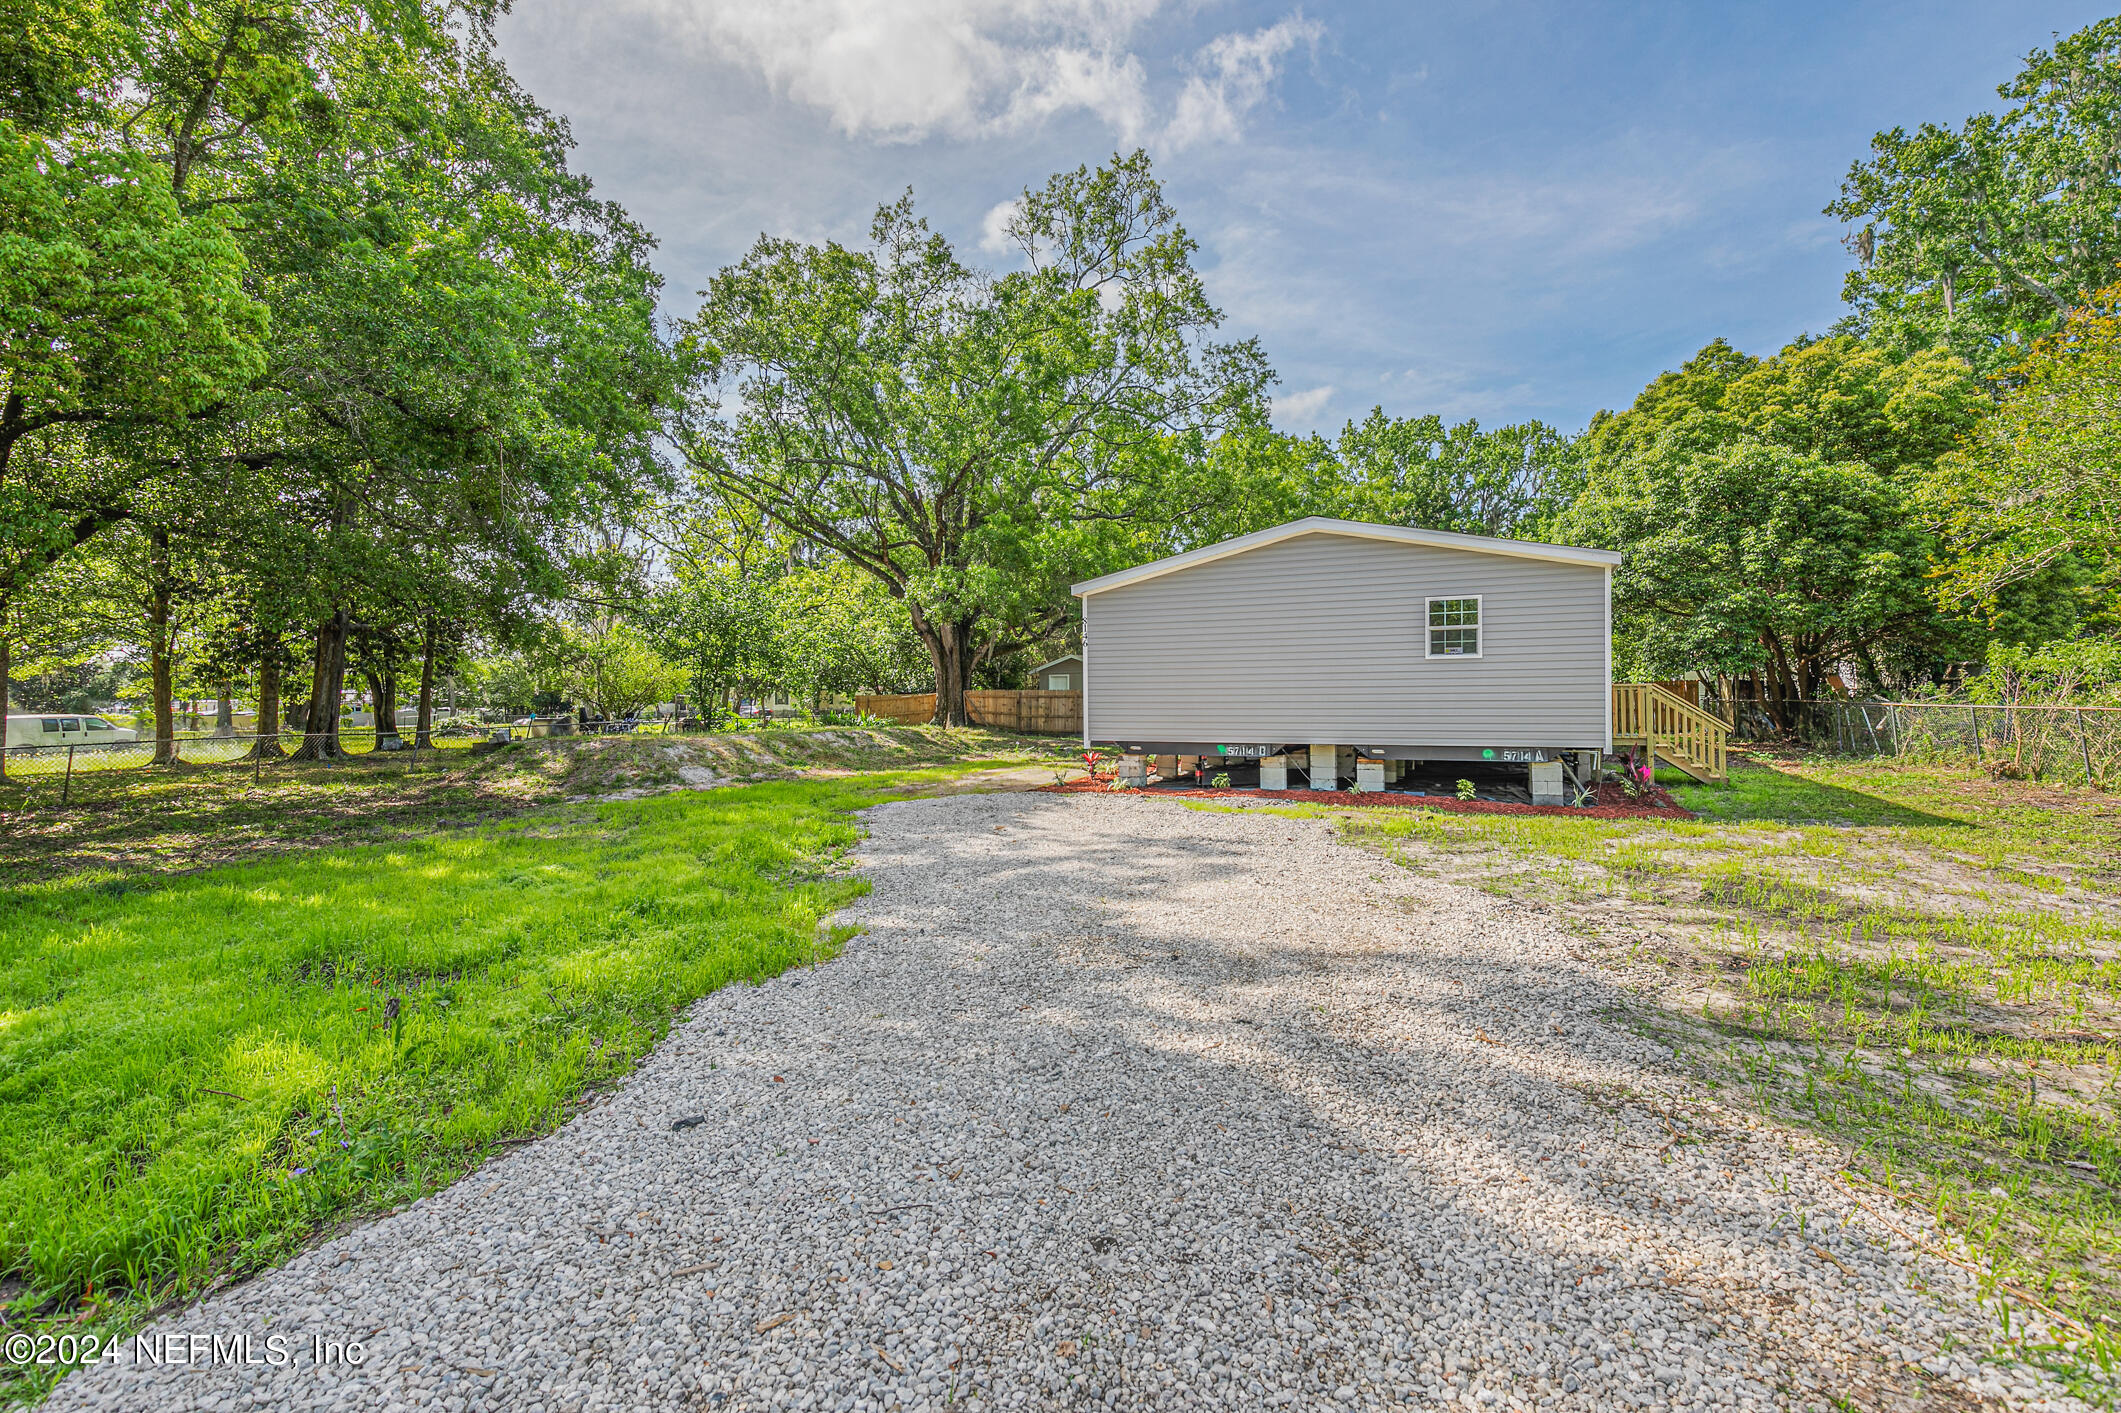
(1671, 731)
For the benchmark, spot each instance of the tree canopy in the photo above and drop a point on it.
(1756, 556)
(307, 288)
(1982, 238)
(2036, 488)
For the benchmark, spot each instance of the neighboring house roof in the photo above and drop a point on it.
(1075, 658)
(1356, 529)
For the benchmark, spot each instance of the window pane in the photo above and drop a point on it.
(71, 723)
(1454, 642)
(1454, 613)
(50, 723)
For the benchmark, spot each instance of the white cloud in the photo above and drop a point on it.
(1238, 69)
(994, 226)
(908, 70)
(1303, 406)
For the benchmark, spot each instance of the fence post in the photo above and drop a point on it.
(66, 790)
(2084, 744)
(257, 759)
(1975, 713)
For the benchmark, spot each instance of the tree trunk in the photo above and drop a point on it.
(268, 723)
(320, 718)
(375, 698)
(338, 682)
(312, 747)
(383, 706)
(423, 718)
(387, 712)
(7, 650)
(1781, 690)
(224, 709)
(953, 667)
(159, 594)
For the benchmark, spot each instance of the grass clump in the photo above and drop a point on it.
(199, 1073)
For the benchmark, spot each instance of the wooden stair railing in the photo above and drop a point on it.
(1671, 729)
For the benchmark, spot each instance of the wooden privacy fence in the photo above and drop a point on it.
(904, 708)
(1034, 713)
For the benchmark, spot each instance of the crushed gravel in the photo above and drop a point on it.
(1119, 1104)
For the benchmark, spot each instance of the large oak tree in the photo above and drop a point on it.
(973, 440)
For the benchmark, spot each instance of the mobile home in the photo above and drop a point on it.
(1327, 652)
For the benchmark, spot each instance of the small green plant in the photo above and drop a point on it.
(1099, 766)
(1221, 780)
(1466, 790)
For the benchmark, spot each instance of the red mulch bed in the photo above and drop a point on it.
(1613, 802)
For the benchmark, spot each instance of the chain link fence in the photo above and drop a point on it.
(2068, 744)
(65, 763)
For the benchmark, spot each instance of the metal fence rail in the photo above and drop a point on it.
(2072, 744)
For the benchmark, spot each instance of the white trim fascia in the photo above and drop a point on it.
(1609, 661)
(1084, 654)
(1354, 529)
(1480, 629)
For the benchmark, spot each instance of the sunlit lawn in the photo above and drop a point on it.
(197, 1073)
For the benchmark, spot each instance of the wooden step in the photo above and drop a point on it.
(1693, 769)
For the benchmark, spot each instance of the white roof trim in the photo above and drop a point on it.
(1068, 657)
(1357, 529)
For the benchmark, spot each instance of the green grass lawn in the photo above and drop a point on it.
(1921, 963)
(199, 1073)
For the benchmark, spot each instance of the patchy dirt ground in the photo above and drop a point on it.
(1925, 968)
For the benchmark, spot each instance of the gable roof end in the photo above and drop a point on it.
(1354, 529)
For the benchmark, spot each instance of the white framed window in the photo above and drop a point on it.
(1454, 627)
(1057, 682)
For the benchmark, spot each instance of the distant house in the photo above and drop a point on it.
(1063, 674)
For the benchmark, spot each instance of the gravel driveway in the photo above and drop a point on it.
(1121, 1104)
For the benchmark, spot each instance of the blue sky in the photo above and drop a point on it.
(1487, 210)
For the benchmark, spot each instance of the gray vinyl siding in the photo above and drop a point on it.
(1323, 638)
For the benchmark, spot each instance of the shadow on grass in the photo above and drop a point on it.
(1768, 793)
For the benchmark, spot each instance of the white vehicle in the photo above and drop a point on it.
(64, 729)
